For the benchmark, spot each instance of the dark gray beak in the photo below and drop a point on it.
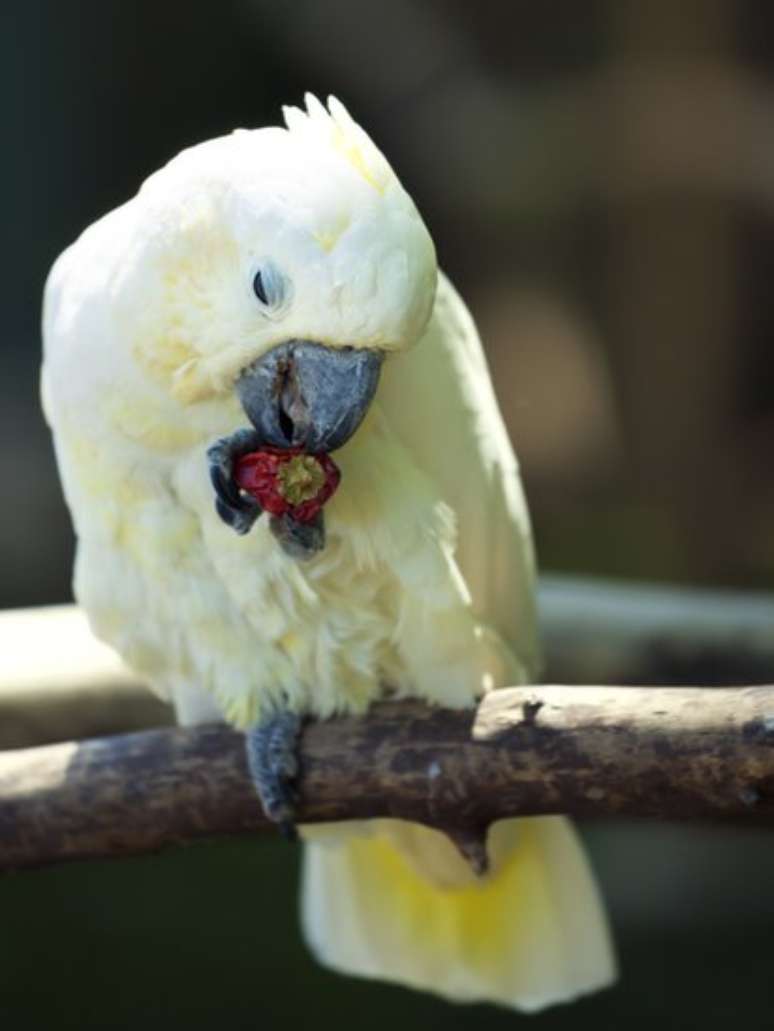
(302, 394)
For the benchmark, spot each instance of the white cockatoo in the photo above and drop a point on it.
(278, 288)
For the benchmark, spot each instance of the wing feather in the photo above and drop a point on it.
(440, 401)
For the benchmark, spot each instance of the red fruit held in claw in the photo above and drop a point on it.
(288, 481)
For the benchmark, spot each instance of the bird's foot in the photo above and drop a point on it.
(273, 764)
(235, 507)
(299, 540)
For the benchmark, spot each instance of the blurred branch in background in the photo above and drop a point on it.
(57, 682)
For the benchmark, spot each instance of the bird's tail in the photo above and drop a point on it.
(397, 902)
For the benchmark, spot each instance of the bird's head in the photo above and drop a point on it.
(284, 263)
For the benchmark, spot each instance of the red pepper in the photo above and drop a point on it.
(288, 481)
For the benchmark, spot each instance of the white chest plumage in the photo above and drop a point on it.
(186, 599)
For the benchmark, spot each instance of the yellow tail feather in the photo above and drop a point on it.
(395, 901)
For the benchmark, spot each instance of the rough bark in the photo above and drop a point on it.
(682, 753)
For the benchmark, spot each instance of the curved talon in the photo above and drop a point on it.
(299, 540)
(222, 480)
(271, 759)
(289, 831)
(240, 520)
(237, 510)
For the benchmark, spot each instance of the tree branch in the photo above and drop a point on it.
(587, 751)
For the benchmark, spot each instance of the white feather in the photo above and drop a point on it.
(398, 903)
(438, 396)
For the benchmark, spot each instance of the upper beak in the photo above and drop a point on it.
(302, 394)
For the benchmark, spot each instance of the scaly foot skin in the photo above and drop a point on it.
(236, 508)
(271, 758)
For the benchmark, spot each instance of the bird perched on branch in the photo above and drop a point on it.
(269, 298)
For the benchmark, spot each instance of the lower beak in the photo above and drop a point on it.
(303, 394)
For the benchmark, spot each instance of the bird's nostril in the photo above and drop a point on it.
(285, 424)
(292, 410)
(285, 379)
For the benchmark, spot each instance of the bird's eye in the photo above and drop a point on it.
(259, 289)
(271, 288)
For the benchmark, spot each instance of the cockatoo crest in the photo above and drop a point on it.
(334, 127)
(314, 208)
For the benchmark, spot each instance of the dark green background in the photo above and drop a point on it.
(208, 936)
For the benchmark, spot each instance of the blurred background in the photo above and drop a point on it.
(599, 181)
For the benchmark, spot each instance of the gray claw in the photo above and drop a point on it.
(271, 758)
(299, 540)
(239, 519)
(236, 509)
